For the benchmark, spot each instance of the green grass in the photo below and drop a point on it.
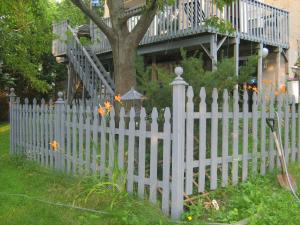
(19, 176)
(261, 200)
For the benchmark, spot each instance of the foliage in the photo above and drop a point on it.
(260, 199)
(65, 10)
(223, 26)
(158, 92)
(20, 176)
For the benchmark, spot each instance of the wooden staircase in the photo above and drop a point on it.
(89, 70)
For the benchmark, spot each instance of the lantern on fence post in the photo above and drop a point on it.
(133, 99)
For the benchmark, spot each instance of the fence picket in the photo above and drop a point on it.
(17, 148)
(298, 155)
(153, 156)
(26, 130)
(111, 158)
(80, 138)
(88, 140)
(280, 117)
(166, 162)
(51, 127)
(74, 138)
(33, 149)
(189, 141)
(245, 136)
(142, 155)
(202, 141)
(121, 139)
(235, 155)
(271, 138)
(103, 147)
(34, 128)
(293, 123)
(62, 152)
(214, 141)
(68, 139)
(286, 129)
(95, 140)
(47, 139)
(263, 136)
(130, 163)
(42, 136)
(225, 139)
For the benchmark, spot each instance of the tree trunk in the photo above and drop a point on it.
(124, 54)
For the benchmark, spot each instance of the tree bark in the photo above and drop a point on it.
(124, 54)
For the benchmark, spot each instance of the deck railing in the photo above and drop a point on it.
(252, 20)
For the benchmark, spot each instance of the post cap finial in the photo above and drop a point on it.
(178, 71)
(60, 94)
(12, 92)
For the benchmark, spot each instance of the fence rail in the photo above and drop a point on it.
(252, 20)
(200, 146)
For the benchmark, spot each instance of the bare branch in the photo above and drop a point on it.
(95, 18)
(143, 24)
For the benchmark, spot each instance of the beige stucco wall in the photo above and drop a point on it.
(293, 6)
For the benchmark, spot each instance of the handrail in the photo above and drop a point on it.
(86, 54)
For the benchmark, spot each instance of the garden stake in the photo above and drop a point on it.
(285, 180)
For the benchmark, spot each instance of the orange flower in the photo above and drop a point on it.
(54, 145)
(107, 105)
(101, 111)
(255, 89)
(276, 93)
(282, 88)
(118, 98)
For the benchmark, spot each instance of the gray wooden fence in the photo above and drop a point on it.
(196, 148)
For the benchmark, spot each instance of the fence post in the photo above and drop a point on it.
(12, 120)
(178, 144)
(58, 126)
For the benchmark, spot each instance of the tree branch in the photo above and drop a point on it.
(95, 18)
(143, 24)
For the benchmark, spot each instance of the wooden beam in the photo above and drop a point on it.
(221, 42)
(206, 51)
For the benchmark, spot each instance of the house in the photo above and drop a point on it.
(259, 28)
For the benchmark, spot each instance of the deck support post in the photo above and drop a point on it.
(260, 66)
(278, 65)
(214, 51)
(236, 54)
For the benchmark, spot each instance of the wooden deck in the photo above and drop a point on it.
(252, 20)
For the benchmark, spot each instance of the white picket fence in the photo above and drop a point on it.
(197, 148)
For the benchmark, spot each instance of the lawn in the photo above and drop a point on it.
(40, 185)
(260, 199)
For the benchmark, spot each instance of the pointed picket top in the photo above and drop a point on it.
(18, 100)
(293, 99)
(43, 101)
(132, 113)
(143, 114)
(122, 113)
(154, 114)
(95, 112)
(112, 113)
(34, 101)
(26, 101)
(215, 94)
(88, 111)
(167, 114)
(74, 110)
(245, 96)
(236, 95)
(190, 94)
(202, 94)
(68, 109)
(51, 101)
(255, 98)
(225, 95)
